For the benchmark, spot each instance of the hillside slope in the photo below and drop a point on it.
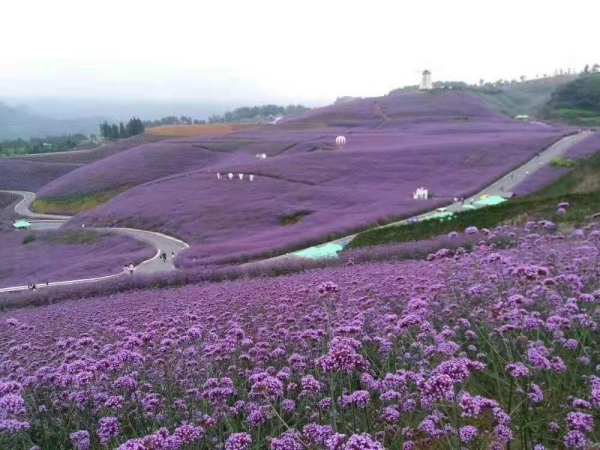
(577, 102)
(307, 189)
(32, 172)
(30, 175)
(529, 97)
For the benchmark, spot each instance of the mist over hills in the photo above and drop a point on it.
(119, 109)
(27, 117)
(22, 122)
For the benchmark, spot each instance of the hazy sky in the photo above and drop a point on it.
(301, 51)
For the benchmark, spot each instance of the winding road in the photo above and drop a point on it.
(161, 242)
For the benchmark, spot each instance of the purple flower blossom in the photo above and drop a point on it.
(579, 421)
(108, 429)
(576, 440)
(12, 426)
(238, 441)
(517, 370)
(536, 395)
(390, 415)
(80, 440)
(290, 440)
(468, 433)
(362, 442)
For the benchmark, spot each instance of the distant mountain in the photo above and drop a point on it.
(20, 122)
(119, 109)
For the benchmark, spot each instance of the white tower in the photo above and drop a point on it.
(426, 84)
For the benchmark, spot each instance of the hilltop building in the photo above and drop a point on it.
(426, 84)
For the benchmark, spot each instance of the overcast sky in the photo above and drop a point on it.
(301, 51)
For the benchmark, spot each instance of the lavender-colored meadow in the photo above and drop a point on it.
(490, 349)
(60, 256)
(549, 174)
(30, 175)
(32, 172)
(448, 142)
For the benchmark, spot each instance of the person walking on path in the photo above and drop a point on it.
(130, 268)
(163, 256)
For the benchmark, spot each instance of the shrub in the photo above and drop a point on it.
(564, 163)
(28, 239)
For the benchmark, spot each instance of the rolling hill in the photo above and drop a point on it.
(450, 142)
(577, 102)
(529, 97)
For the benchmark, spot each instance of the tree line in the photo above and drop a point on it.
(257, 113)
(49, 144)
(173, 120)
(580, 94)
(119, 131)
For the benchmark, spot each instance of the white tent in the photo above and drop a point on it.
(421, 194)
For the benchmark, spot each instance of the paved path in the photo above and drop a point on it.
(161, 242)
(22, 208)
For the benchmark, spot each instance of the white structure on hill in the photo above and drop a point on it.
(426, 84)
(421, 194)
(340, 141)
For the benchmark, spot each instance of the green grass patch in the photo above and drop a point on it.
(71, 206)
(564, 163)
(515, 212)
(580, 187)
(293, 218)
(576, 116)
(584, 178)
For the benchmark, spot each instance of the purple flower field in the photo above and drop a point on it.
(450, 143)
(489, 349)
(30, 175)
(549, 174)
(59, 256)
(32, 172)
(104, 150)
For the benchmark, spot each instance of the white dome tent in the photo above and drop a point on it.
(421, 194)
(340, 141)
